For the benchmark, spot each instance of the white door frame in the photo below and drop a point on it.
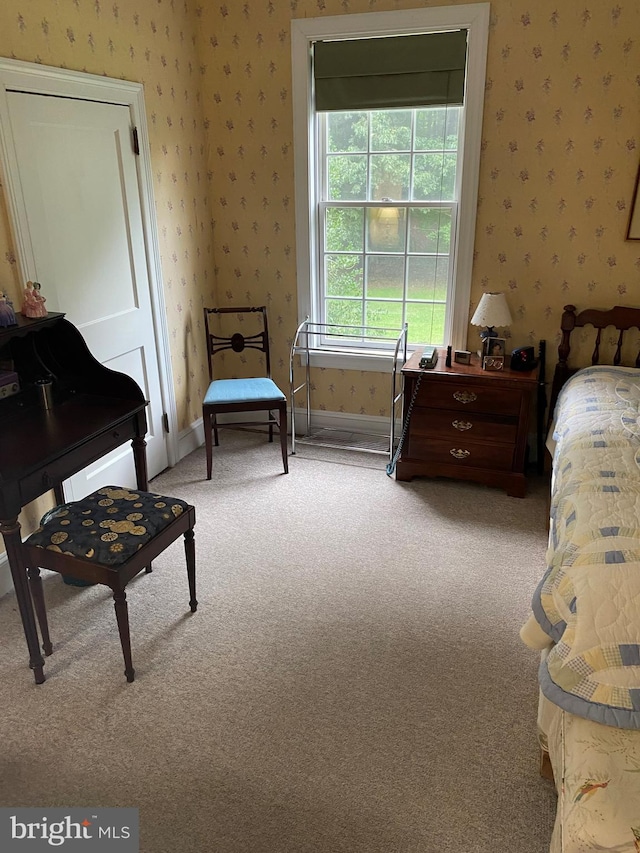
(45, 80)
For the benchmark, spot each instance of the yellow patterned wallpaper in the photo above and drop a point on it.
(152, 42)
(559, 157)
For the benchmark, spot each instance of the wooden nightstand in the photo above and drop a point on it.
(467, 423)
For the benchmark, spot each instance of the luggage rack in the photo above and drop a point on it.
(307, 341)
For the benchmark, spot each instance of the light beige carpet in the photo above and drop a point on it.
(353, 679)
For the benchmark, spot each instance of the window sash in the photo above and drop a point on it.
(324, 204)
(405, 256)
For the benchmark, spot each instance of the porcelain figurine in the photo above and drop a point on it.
(7, 314)
(33, 301)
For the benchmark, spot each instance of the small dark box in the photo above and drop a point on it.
(523, 358)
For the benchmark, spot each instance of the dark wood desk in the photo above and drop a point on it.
(94, 411)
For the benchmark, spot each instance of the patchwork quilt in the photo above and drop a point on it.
(587, 606)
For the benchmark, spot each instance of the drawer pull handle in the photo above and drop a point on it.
(461, 425)
(464, 396)
(460, 454)
(116, 434)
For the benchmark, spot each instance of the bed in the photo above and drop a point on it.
(585, 616)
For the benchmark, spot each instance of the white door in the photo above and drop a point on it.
(78, 177)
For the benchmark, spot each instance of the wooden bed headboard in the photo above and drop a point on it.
(620, 317)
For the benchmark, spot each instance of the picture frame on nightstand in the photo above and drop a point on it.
(493, 362)
(494, 347)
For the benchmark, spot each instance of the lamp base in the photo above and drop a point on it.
(489, 332)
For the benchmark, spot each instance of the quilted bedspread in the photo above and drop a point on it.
(587, 606)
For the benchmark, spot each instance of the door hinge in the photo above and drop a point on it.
(136, 142)
(165, 422)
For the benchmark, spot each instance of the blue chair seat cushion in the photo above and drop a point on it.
(253, 390)
(108, 526)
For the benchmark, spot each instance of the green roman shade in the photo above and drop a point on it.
(398, 71)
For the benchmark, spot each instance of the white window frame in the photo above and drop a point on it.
(304, 32)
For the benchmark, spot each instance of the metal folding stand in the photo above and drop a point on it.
(311, 338)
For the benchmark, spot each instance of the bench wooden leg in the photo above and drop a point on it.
(122, 615)
(190, 554)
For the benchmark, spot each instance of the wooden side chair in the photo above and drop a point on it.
(255, 394)
(108, 537)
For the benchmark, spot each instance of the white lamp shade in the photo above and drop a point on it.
(492, 311)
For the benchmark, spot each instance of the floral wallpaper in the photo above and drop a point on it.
(152, 42)
(559, 159)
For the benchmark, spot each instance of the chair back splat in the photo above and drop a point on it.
(257, 393)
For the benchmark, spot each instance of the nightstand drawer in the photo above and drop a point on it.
(462, 453)
(463, 426)
(469, 397)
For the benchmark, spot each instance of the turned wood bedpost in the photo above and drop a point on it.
(561, 372)
(618, 356)
(567, 325)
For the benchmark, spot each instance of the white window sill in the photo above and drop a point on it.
(369, 361)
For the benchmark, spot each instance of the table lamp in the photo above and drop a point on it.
(492, 311)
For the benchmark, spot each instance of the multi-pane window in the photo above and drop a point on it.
(386, 213)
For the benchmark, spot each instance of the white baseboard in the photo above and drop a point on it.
(190, 439)
(193, 436)
(368, 424)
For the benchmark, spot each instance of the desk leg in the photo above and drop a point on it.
(10, 530)
(58, 493)
(138, 446)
